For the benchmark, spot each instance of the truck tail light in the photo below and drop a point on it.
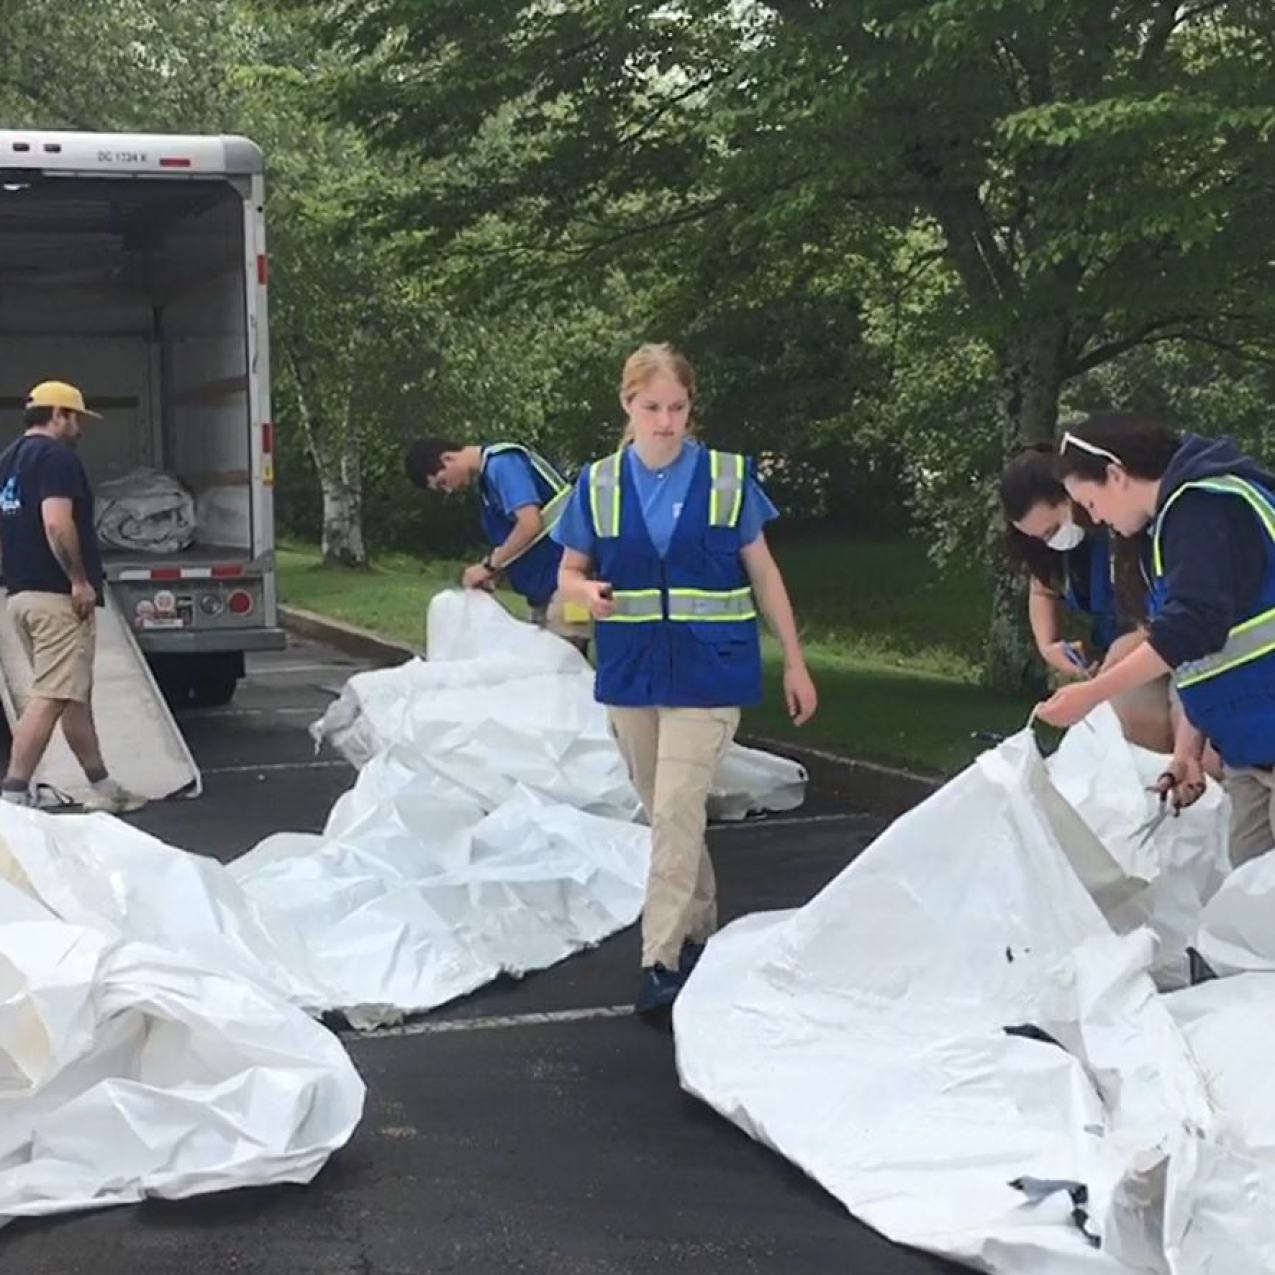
(240, 602)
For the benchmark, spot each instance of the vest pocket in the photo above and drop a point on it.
(724, 638)
(722, 540)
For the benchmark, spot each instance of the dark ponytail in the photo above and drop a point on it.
(1139, 444)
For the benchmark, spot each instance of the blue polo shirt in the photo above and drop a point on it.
(512, 483)
(661, 493)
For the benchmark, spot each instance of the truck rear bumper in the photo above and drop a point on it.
(188, 643)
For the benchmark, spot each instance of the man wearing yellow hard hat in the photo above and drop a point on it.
(53, 573)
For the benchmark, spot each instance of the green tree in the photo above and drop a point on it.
(1093, 173)
(104, 65)
(350, 335)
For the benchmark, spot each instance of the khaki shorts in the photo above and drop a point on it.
(58, 643)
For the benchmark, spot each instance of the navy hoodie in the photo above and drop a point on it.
(1214, 551)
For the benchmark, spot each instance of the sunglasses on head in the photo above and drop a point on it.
(1072, 440)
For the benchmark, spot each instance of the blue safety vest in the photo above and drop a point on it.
(684, 632)
(534, 572)
(1230, 694)
(1089, 587)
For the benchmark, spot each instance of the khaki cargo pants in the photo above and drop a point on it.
(672, 756)
(59, 645)
(1252, 794)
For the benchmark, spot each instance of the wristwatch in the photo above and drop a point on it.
(489, 564)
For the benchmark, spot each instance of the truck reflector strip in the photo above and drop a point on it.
(229, 572)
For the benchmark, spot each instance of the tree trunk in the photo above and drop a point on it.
(337, 461)
(343, 501)
(1032, 375)
(343, 523)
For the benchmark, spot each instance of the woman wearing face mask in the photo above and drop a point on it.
(1210, 511)
(1073, 564)
(1068, 561)
(664, 543)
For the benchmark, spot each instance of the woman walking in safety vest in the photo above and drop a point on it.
(663, 542)
(1211, 514)
(1075, 565)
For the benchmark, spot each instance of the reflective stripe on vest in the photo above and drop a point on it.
(706, 604)
(552, 510)
(553, 480)
(727, 473)
(604, 494)
(726, 470)
(1249, 639)
(637, 606)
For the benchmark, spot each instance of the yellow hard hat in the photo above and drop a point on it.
(59, 394)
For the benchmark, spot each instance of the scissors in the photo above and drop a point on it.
(1075, 656)
(1145, 831)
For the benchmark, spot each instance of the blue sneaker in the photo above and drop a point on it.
(691, 952)
(659, 990)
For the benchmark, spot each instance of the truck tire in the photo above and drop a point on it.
(198, 681)
(213, 689)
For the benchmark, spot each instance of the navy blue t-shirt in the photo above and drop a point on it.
(32, 470)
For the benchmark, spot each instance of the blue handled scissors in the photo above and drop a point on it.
(1075, 656)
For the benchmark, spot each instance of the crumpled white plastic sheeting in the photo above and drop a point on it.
(223, 517)
(1237, 930)
(146, 510)
(144, 1048)
(499, 703)
(416, 894)
(953, 1041)
(491, 829)
(1162, 882)
(1223, 1220)
(154, 1037)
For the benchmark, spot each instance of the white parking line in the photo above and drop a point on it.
(791, 821)
(434, 1027)
(314, 710)
(262, 671)
(270, 767)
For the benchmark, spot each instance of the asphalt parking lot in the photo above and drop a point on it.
(533, 1127)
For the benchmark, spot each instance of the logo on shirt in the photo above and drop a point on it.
(677, 509)
(11, 497)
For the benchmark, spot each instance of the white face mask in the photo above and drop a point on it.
(1068, 537)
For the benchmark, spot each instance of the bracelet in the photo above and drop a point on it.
(489, 563)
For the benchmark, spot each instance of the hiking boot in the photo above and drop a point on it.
(659, 990)
(691, 952)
